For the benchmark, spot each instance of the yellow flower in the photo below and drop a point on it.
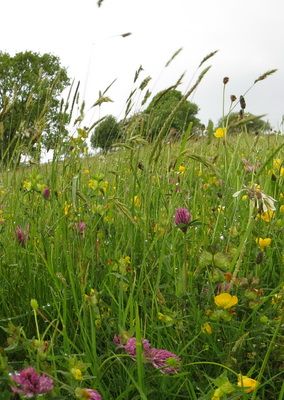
(87, 171)
(41, 186)
(27, 185)
(277, 163)
(281, 173)
(164, 318)
(127, 260)
(248, 383)
(137, 201)
(216, 395)
(263, 243)
(225, 300)
(104, 186)
(77, 374)
(206, 328)
(220, 132)
(282, 209)
(267, 215)
(66, 208)
(181, 169)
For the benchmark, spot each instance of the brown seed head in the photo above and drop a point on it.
(225, 80)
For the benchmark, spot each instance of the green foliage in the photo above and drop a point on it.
(162, 105)
(30, 86)
(101, 255)
(253, 124)
(105, 134)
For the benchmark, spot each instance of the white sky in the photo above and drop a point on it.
(249, 35)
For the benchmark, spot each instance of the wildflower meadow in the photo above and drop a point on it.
(151, 271)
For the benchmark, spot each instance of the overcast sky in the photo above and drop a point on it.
(249, 35)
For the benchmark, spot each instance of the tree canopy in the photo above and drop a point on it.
(254, 124)
(161, 106)
(106, 133)
(30, 86)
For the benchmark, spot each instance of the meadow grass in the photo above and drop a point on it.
(102, 255)
(95, 262)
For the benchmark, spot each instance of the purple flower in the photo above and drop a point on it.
(46, 192)
(130, 346)
(167, 362)
(80, 227)
(22, 235)
(31, 383)
(182, 217)
(249, 167)
(91, 394)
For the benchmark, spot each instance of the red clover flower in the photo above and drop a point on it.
(164, 360)
(167, 362)
(31, 383)
(46, 193)
(22, 235)
(89, 394)
(182, 217)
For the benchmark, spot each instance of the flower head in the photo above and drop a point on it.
(262, 201)
(89, 394)
(46, 193)
(263, 243)
(31, 383)
(248, 383)
(220, 133)
(267, 215)
(182, 217)
(130, 346)
(80, 227)
(225, 300)
(167, 362)
(22, 235)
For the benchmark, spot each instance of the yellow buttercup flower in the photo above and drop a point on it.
(277, 163)
(263, 243)
(225, 300)
(181, 169)
(248, 383)
(220, 133)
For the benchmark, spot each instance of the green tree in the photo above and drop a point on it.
(30, 86)
(106, 133)
(252, 123)
(161, 106)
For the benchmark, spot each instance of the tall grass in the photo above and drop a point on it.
(101, 255)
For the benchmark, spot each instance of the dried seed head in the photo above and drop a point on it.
(233, 98)
(259, 257)
(242, 102)
(225, 80)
